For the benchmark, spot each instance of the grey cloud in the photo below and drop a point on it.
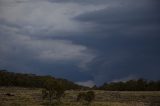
(127, 36)
(81, 42)
(82, 1)
(131, 14)
(111, 2)
(14, 45)
(44, 18)
(122, 57)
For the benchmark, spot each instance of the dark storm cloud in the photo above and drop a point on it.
(128, 38)
(122, 15)
(127, 17)
(82, 1)
(128, 57)
(124, 57)
(103, 1)
(103, 40)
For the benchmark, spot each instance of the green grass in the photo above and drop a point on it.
(32, 97)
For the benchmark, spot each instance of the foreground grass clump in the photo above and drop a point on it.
(33, 97)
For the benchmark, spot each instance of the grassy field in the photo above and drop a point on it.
(32, 97)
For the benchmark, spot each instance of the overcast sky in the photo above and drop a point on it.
(86, 41)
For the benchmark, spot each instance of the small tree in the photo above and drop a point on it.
(52, 91)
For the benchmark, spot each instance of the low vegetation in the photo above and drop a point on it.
(87, 97)
(33, 97)
(32, 90)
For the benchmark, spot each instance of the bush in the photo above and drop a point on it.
(86, 96)
(90, 96)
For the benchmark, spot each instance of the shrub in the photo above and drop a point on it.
(86, 96)
(90, 96)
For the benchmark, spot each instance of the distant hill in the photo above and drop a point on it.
(31, 80)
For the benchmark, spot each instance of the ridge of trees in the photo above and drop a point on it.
(32, 80)
(131, 85)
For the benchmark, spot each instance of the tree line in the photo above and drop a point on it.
(32, 80)
(131, 85)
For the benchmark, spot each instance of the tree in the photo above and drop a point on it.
(52, 91)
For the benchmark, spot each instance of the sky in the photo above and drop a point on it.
(85, 41)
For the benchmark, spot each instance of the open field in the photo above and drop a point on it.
(32, 97)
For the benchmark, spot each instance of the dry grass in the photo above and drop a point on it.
(32, 97)
(22, 97)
